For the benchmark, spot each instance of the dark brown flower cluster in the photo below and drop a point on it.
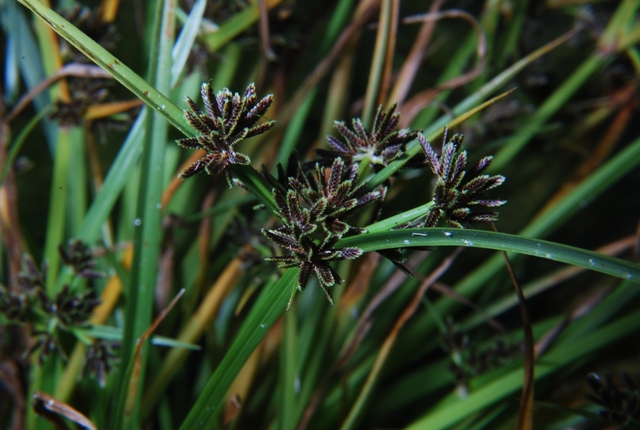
(85, 91)
(454, 198)
(100, 360)
(229, 119)
(621, 404)
(379, 147)
(71, 307)
(79, 257)
(92, 23)
(469, 360)
(313, 209)
(315, 200)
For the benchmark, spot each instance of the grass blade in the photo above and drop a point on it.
(429, 237)
(118, 175)
(58, 203)
(146, 242)
(185, 41)
(271, 303)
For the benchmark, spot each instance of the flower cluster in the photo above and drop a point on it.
(313, 210)
(454, 200)
(622, 405)
(100, 360)
(85, 91)
(469, 360)
(379, 147)
(90, 22)
(314, 201)
(45, 314)
(79, 257)
(229, 119)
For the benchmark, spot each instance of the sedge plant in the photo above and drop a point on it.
(327, 225)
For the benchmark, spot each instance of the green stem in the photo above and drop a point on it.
(377, 64)
(269, 306)
(288, 369)
(58, 204)
(146, 242)
(399, 219)
(19, 141)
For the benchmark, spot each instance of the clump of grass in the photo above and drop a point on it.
(374, 187)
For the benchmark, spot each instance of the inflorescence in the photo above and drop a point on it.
(453, 200)
(46, 314)
(621, 405)
(312, 209)
(229, 119)
(316, 201)
(379, 147)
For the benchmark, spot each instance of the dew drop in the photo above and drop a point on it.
(419, 234)
(628, 275)
(548, 255)
(296, 384)
(158, 206)
(161, 107)
(448, 233)
(355, 313)
(263, 325)
(137, 222)
(592, 262)
(406, 242)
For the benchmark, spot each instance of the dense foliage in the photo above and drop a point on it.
(364, 161)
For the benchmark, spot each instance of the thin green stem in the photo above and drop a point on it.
(377, 63)
(399, 219)
(270, 305)
(19, 141)
(146, 242)
(288, 369)
(58, 204)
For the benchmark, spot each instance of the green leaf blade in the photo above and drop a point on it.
(429, 237)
